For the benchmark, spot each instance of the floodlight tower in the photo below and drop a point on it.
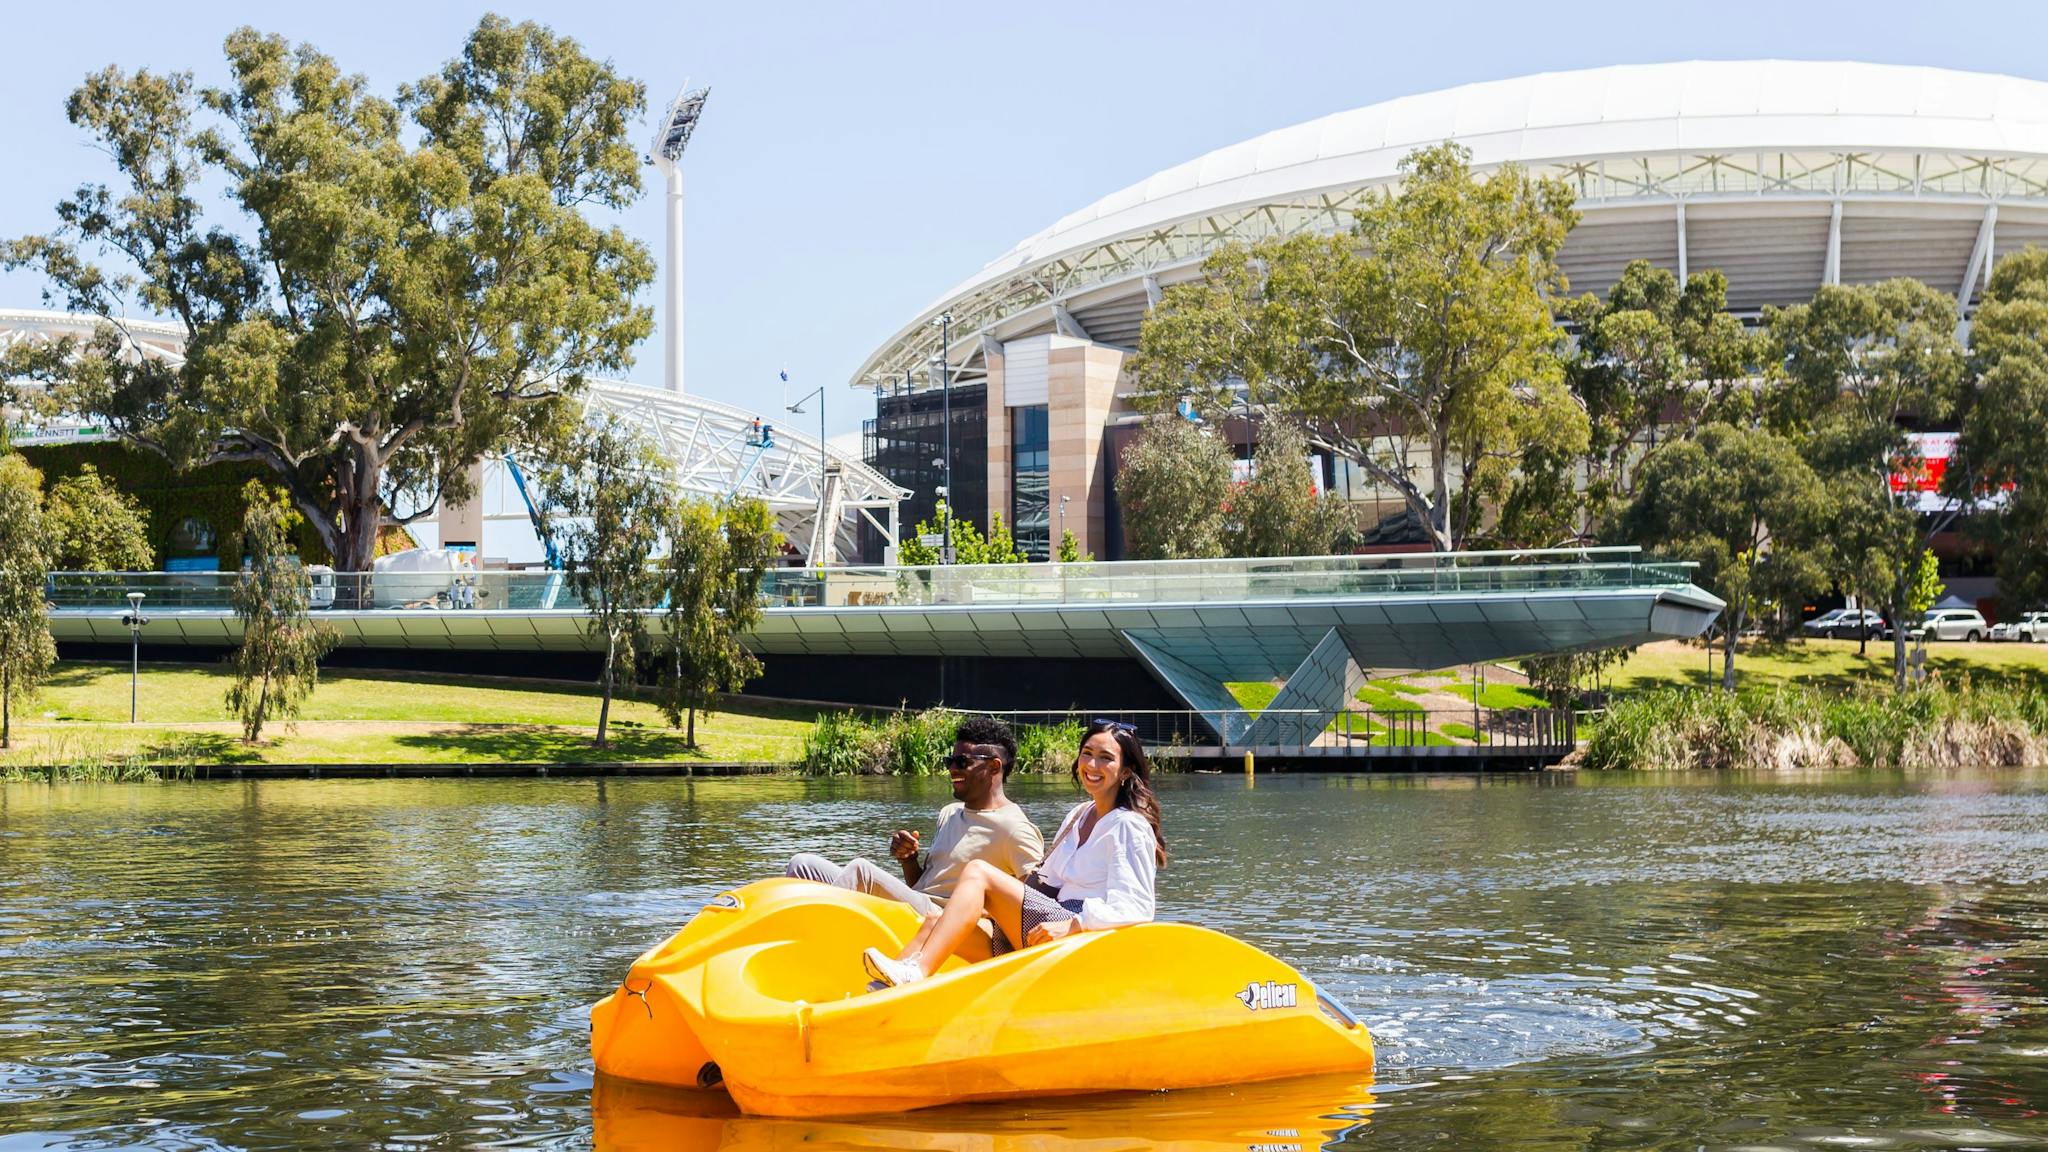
(669, 142)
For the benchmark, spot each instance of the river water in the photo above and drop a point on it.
(1546, 961)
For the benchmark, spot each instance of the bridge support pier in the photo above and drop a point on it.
(1317, 688)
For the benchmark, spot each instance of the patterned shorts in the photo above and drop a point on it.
(1042, 905)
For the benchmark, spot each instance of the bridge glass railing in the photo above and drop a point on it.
(1121, 582)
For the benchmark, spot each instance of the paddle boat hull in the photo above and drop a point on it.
(763, 993)
(1292, 1115)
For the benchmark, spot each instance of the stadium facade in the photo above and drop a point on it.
(1784, 175)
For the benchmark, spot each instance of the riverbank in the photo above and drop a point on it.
(1785, 726)
(77, 725)
(1830, 664)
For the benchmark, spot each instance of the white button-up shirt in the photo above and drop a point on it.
(1112, 874)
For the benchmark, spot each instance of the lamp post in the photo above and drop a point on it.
(669, 142)
(1063, 521)
(797, 409)
(945, 323)
(134, 620)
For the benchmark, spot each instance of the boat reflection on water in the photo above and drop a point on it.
(1280, 1116)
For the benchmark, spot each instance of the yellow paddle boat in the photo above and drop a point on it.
(763, 994)
(1296, 1115)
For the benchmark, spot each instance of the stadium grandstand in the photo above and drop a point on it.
(1784, 175)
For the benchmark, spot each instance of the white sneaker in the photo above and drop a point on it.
(890, 970)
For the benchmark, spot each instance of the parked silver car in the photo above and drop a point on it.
(1952, 624)
(1847, 624)
(2029, 628)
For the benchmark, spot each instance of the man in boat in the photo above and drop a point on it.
(981, 824)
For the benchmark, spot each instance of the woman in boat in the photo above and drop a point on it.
(1098, 874)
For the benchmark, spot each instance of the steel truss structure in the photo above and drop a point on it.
(713, 449)
(1920, 161)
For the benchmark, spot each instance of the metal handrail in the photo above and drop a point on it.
(1130, 581)
(1364, 731)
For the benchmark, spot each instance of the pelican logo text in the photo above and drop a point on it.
(1266, 994)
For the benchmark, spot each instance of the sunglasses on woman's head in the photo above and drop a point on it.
(1117, 726)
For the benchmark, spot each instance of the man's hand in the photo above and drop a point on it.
(903, 845)
(1053, 930)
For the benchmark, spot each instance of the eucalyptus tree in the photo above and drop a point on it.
(95, 527)
(1653, 359)
(719, 553)
(1859, 366)
(969, 545)
(604, 499)
(26, 651)
(1278, 510)
(1745, 506)
(1172, 485)
(386, 300)
(2002, 434)
(277, 664)
(1420, 345)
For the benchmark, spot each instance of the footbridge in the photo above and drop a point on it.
(1318, 625)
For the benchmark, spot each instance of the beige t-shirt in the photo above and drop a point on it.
(1005, 837)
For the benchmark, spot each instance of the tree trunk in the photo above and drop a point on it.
(604, 710)
(6, 707)
(1728, 652)
(690, 741)
(1439, 523)
(1898, 652)
(262, 708)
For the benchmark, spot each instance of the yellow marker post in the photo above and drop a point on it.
(1249, 767)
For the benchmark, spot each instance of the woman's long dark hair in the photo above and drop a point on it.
(1135, 791)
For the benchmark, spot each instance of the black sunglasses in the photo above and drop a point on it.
(960, 762)
(1117, 726)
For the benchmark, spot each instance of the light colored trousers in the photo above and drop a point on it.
(860, 875)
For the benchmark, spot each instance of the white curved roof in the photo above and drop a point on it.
(1632, 110)
(1690, 112)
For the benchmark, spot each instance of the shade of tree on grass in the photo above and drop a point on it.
(403, 284)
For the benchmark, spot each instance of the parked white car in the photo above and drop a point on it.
(1847, 624)
(2030, 628)
(1952, 624)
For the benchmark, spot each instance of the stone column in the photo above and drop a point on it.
(1080, 393)
(464, 523)
(998, 441)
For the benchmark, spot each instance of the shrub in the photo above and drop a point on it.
(919, 742)
(1049, 748)
(900, 744)
(843, 744)
(1793, 727)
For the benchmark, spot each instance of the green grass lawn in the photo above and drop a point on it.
(1381, 698)
(377, 717)
(1832, 664)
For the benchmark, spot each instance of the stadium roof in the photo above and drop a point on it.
(1625, 137)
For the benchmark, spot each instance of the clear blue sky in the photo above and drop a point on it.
(857, 159)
